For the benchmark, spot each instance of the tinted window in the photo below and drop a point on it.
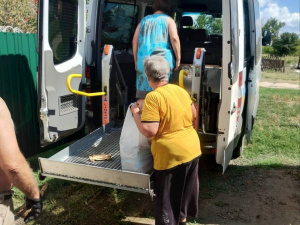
(234, 39)
(247, 50)
(63, 29)
(213, 25)
(258, 32)
(119, 23)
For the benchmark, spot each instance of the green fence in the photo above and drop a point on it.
(18, 65)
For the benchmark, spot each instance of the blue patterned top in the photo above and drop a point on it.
(153, 40)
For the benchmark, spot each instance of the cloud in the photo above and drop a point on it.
(282, 14)
(263, 3)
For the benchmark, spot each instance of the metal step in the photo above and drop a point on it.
(72, 163)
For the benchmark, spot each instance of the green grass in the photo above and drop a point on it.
(275, 138)
(291, 74)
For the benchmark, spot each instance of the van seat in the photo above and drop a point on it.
(213, 48)
(196, 39)
(185, 33)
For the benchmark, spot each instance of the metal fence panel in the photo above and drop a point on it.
(18, 64)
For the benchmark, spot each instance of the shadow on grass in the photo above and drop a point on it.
(243, 195)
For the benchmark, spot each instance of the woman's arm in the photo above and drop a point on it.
(194, 111)
(174, 41)
(135, 41)
(147, 129)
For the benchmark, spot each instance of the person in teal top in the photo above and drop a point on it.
(155, 35)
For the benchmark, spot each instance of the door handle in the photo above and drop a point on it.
(81, 92)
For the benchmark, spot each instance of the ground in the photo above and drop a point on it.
(261, 187)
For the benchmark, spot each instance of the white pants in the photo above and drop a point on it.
(6, 209)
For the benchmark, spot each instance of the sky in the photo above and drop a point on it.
(287, 11)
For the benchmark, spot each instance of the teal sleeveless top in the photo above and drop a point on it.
(153, 40)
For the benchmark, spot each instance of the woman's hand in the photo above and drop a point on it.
(177, 65)
(135, 108)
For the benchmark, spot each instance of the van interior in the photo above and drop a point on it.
(199, 25)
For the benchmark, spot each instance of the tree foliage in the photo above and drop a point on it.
(211, 24)
(286, 44)
(273, 25)
(19, 13)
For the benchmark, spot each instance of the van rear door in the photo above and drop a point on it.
(231, 82)
(61, 33)
(255, 68)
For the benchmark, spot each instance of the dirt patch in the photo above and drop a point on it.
(282, 85)
(243, 195)
(250, 195)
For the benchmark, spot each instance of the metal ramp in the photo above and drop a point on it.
(72, 163)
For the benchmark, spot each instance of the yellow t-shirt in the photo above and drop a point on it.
(176, 141)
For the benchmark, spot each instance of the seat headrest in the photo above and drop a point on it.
(199, 35)
(186, 21)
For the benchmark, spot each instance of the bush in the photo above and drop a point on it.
(19, 13)
(267, 50)
(286, 44)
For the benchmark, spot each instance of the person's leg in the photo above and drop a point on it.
(169, 190)
(162, 202)
(189, 206)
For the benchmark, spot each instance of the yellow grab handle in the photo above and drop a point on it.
(80, 92)
(181, 73)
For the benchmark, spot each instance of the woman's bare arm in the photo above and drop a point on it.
(147, 129)
(174, 41)
(194, 111)
(135, 41)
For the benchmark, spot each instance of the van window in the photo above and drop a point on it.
(213, 24)
(119, 23)
(258, 32)
(234, 24)
(63, 29)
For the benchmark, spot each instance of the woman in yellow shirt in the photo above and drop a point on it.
(166, 117)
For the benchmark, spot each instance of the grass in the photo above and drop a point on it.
(291, 74)
(275, 142)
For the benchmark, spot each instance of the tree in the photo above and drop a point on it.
(19, 13)
(209, 23)
(273, 25)
(286, 44)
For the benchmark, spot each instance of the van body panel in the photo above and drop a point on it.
(227, 90)
(232, 99)
(255, 68)
(91, 32)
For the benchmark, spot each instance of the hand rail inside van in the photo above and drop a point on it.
(81, 92)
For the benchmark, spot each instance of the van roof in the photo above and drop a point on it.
(209, 7)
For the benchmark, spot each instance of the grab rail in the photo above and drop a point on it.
(81, 92)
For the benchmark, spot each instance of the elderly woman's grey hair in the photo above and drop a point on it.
(157, 68)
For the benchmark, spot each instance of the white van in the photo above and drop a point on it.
(79, 56)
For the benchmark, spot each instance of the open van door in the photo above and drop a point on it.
(231, 104)
(61, 33)
(255, 68)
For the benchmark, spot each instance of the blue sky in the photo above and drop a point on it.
(287, 11)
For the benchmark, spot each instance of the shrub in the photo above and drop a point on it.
(267, 50)
(19, 13)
